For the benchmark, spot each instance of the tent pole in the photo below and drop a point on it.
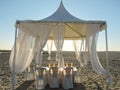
(14, 58)
(107, 62)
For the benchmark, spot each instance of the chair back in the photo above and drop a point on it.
(54, 71)
(51, 65)
(68, 72)
(69, 64)
(41, 72)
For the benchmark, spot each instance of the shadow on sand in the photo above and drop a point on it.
(25, 85)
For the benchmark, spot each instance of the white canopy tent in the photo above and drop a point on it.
(60, 26)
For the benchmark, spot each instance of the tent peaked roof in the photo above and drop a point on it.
(62, 15)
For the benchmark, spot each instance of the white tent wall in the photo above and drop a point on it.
(92, 32)
(78, 52)
(49, 48)
(23, 54)
(43, 37)
(59, 40)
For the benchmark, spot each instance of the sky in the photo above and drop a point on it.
(107, 10)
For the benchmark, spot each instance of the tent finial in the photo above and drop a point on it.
(61, 2)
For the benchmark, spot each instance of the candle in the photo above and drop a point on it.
(44, 72)
(29, 69)
(74, 69)
(64, 72)
(51, 71)
(70, 72)
(61, 69)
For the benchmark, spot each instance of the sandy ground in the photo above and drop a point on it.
(91, 80)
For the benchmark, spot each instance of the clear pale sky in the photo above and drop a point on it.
(108, 10)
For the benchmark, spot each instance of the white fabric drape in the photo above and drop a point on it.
(49, 47)
(84, 56)
(78, 52)
(59, 40)
(36, 49)
(91, 42)
(24, 52)
(42, 41)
